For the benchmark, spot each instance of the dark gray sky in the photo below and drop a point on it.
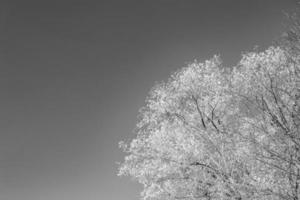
(73, 75)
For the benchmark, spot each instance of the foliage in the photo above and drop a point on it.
(214, 132)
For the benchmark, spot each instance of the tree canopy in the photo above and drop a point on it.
(218, 132)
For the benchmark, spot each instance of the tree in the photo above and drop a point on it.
(290, 40)
(268, 87)
(215, 132)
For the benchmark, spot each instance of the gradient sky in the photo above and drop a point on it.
(73, 75)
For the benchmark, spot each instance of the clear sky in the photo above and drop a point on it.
(73, 75)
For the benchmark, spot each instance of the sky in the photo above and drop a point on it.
(73, 75)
